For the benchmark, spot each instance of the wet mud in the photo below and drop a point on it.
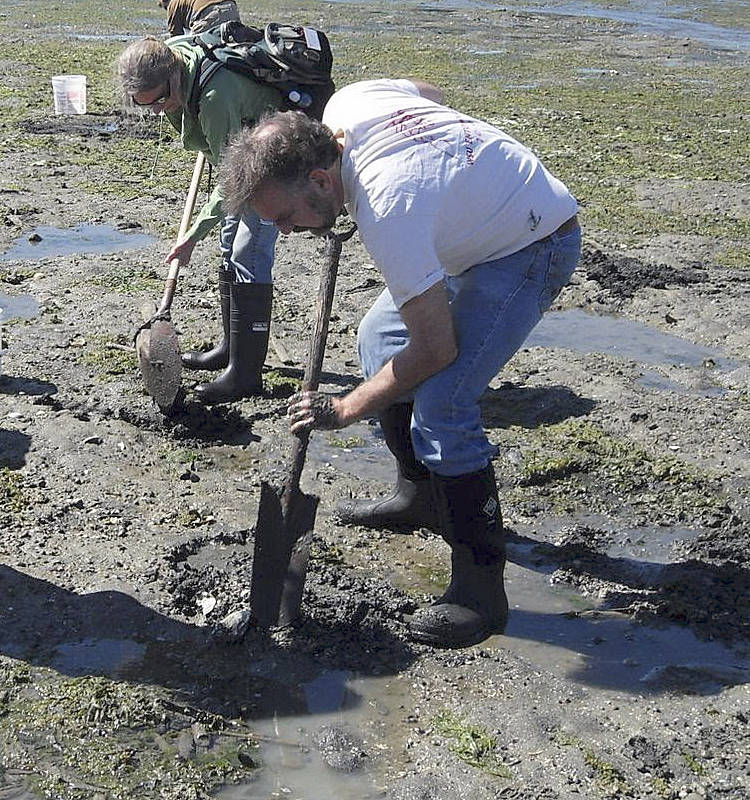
(622, 430)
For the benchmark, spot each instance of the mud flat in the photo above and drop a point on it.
(623, 432)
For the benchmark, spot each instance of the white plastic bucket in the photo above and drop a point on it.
(70, 94)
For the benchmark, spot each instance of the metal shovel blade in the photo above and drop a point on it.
(281, 555)
(159, 358)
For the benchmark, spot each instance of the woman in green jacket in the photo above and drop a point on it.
(160, 76)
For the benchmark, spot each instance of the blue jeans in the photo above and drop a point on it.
(494, 307)
(247, 247)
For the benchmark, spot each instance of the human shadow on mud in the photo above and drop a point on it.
(613, 651)
(13, 448)
(110, 633)
(531, 406)
(29, 386)
(712, 600)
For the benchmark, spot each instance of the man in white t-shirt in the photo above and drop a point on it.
(475, 239)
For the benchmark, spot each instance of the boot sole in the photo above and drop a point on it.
(455, 644)
(205, 367)
(385, 525)
(476, 637)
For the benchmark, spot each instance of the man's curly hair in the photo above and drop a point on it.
(284, 147)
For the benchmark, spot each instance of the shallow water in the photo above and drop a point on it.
(591, 333)
(19, 306)
(652, 16)
(552, 626)
(293, 767)
(100, 656)
(367, 456)
(657, 382)
(104, 37)
(567, 634)
(68, 241)
(658, 17)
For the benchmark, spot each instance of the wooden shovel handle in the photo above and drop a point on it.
(174, 266)
(311, 380)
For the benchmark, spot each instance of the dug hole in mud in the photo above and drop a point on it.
(622, 432)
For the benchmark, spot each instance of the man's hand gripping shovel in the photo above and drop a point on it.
(156, 340)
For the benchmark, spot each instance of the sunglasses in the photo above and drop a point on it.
(159, 101)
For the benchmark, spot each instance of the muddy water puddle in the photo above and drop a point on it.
(21, 306)
(566, 633)
(295, 712)
(47, 241)
(589, 333)
(557, 627)
(608, 650)
(571, 635)
(657, 382)
(99, 656)
(296, 763)
(358, 450)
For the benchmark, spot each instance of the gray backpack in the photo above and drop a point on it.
(294, 59)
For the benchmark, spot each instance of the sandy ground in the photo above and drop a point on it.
(623, 430)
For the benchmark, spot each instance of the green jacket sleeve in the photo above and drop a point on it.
(208, 217)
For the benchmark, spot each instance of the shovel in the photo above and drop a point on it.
(286, 517)
(156, 340)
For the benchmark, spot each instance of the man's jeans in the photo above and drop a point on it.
(247, 248)
(494, 306)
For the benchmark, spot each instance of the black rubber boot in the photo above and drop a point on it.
(475, 605)
(249, 323)
(218, 356)
(411, 505)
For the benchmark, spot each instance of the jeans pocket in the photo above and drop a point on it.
(561, 264)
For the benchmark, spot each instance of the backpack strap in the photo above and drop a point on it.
(207, 68)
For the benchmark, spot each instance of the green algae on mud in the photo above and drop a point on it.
(576, 465)
(277, 384)
(472, 743)
(13, 499)
(127, 279)
(608, 777)
(109, 357)
(600, 133)
(82, 736)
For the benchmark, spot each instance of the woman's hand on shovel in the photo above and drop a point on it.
(309, 410)
(182, 250)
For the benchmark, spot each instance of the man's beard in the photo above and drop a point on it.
(326, 208)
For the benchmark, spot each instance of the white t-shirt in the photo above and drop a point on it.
(434, 191)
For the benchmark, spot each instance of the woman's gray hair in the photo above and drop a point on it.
(144, 65)
(284, 147)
